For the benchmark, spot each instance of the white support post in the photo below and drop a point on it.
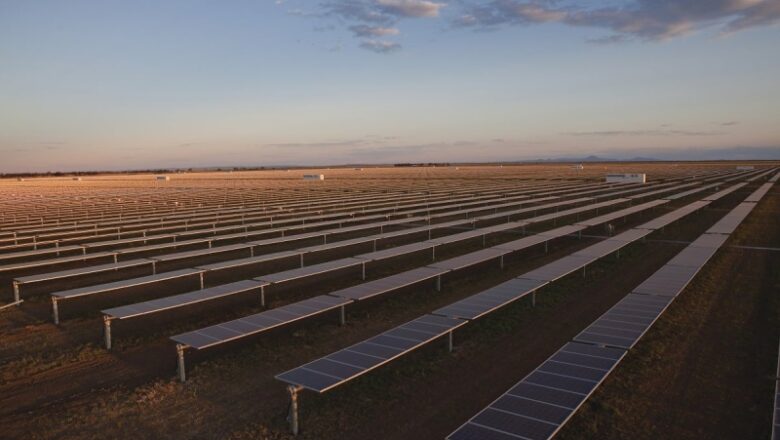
(17, 296)
(342, 315)
(107, 331)
(583, 271)
(55, 311)
(293, 415)
(154, 267)
(262, 296)
(181, 368)
(433, 253)
(202, 281)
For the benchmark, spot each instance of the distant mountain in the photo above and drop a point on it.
(593, 158)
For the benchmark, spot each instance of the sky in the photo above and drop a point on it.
(112, 85)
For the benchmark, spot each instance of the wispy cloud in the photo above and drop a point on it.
(372, 19)
(633, 19)
(644, 133)
(363, 30)
(380, 46)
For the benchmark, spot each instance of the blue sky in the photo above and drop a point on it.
(123, 85)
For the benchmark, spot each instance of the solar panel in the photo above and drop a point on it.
(396, 251)
(260, 322)
(82, 271)
(621, 213)
(201, 252)
(626, 322)
(470, 259)
(667, 219)
(722, 193)
(308, 271)
(759, 193)
(491, 299)
(559, 268)
(538, 405)
(250, 261)
(523, 243)
(124, 284)
(383, 285)
(184, 299)
(344, 365)
(668, 280)
(730, 221)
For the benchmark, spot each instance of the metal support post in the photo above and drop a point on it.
(17, 296)
(342, 316)
(181, 367)
(449, 341)
(55, 311)
(293, 415)
(438, 283)
(107, 331)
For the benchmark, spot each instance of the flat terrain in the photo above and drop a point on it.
(704, 370)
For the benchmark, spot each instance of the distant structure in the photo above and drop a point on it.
(578, 167)
(313, 177)
(745, 167)
(165, 178)
(19, 179)
(77, 179)
(627, 178)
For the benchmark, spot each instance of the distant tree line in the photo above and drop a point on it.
(429, 164)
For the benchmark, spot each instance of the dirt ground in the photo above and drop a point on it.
(711, 358)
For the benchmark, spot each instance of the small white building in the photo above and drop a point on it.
(77, 179)
(313, 177)
(166, 178)
(627, 178)
(578, 167)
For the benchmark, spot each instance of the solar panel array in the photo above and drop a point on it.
(543, 401)
(482, 303)
(198, 244)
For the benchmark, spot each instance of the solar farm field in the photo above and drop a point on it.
(467, 303)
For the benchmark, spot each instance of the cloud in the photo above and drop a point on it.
(634, 19)
(363, 30)
(728, 123)
(410, 8)
(380, 46)
(369, 19)
(643, 133)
